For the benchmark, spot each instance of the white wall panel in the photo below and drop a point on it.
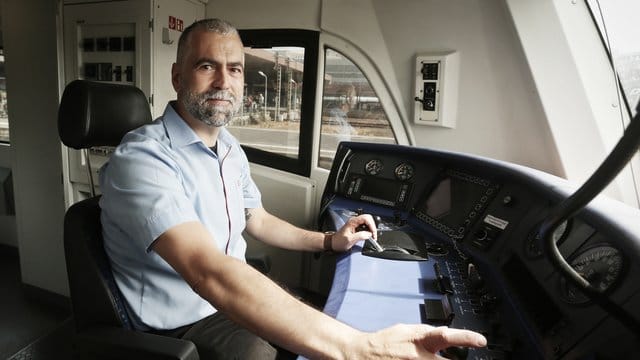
(30, 43)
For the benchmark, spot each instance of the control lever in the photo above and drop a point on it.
(364, 227)
(376, 245)
(427, 104)
(475, 280)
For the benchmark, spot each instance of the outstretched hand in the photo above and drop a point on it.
(417, 342)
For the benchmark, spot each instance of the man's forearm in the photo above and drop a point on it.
(274, 231)
(255, 302)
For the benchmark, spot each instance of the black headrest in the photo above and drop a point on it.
(100, 114)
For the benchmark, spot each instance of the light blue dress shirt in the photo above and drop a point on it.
(162, 175)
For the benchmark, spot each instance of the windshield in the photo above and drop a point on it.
(618, 24)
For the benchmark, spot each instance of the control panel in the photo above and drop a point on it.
(452, 289)
(108, 52)
(436, 89)
(468, 229)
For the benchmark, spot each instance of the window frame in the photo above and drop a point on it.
(630, 107)
(385, 109)
(3, 75)
(309, 40)
(627, 180)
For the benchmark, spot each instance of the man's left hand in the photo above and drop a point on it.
(349, 234)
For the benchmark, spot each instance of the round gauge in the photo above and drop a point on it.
(535, 245)
(373, 167)
(404, 171)
(601, 265)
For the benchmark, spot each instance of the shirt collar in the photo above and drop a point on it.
(181, 134)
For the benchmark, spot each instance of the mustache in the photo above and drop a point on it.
(218, 95)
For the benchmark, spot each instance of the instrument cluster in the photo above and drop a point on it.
(403, 171)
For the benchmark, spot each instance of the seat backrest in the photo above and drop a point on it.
(100, 114)
(95, 297)
(95, 114)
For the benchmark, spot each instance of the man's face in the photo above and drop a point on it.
(210, 77)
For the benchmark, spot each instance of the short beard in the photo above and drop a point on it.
(212, 115)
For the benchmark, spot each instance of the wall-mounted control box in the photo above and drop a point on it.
(436, 89)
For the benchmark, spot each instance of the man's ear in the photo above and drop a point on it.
(175, 77)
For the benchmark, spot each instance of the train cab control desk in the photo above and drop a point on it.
(460, 248)
(411, 281)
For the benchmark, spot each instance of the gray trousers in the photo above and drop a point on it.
(217, 337)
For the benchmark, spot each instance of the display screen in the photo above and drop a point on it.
(376, 190)
(381, 188)
(455, 200)
(438, 204)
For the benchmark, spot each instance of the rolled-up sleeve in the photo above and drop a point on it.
(144, 193)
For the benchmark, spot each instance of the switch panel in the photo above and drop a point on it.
(436, 89)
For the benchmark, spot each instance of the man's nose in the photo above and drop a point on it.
(221, 79)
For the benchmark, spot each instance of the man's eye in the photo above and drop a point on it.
(236, 70)
(206, 67)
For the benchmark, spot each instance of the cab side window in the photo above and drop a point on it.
(269, 119)
(351, 110)
(275, 123)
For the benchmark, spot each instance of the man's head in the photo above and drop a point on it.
(209, 72)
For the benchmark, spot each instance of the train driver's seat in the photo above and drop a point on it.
(99, 114)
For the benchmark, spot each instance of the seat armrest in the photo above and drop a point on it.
(119, 343)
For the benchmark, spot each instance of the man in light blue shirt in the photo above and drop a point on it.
(177, 195)
(164, 175)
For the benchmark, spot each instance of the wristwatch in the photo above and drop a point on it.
(328, 240)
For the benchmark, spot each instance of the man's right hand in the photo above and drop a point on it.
(415, 342)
